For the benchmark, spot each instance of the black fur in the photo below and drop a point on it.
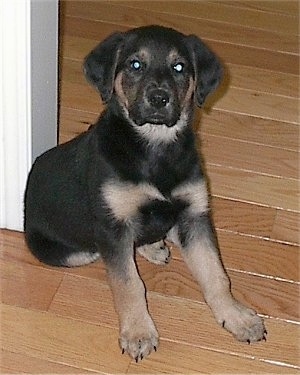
(65, 211)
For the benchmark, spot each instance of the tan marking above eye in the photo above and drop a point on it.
(173, 56)
(144, 54)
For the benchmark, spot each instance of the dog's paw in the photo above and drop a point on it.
(157, 253)
(139, 342)
(243, 323)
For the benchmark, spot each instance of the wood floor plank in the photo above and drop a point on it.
(74, 122)
(74, 343)
(259, 256)
(255, 57)
(274, 261)
(134, 17)
(77, 46)
(251, 129)
(173, 317)
(287, 225)
(224, 13)
(14, 249)
(261, 80)
(258, 104)
(26, 286)
(269, 297)
(242, 217)
(252, 188)
(16, 363)
(280, 7)
(250, 157)
(80, 97)
(177, 358)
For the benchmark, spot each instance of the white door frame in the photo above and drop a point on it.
(28, 96)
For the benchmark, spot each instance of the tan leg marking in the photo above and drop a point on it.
(157, 253)
(138, 335)
(204, 261)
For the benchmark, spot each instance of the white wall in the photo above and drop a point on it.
(44, 70)
(28, 96)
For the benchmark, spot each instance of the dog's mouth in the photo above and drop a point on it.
(158, 119)
(142, 113)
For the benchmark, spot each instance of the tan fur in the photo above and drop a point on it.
(195, 194)
(144, 54)
(81, 258)
(157, 253)
(138, 335)
(124, 198)
(189, 93)
(119, 90)
(203, 260)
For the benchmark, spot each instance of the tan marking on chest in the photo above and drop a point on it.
(195, 194)
(125, 198)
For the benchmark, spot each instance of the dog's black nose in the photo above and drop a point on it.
(158, 98)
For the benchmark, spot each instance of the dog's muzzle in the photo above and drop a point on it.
(158, 107)
(158, 98)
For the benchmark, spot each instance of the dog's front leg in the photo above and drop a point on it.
(138, 335)
(195, 236)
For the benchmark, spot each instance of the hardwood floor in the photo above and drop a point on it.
(62, 320)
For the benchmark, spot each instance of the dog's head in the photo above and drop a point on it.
(155, 73)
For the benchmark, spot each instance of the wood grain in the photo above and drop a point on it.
(223, 12)
(74, 343)
(62, 320)
(169, 313)
(287, 226)
(278, 7)
(251, 129)
(253, 188)
(133, 17)
(16, 363)
(229, 52)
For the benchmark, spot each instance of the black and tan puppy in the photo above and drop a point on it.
(134, 180)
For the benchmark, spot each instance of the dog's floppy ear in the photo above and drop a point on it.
(100, 64)
(207, 68)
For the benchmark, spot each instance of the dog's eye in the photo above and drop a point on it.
(136, 65)
(178, 67)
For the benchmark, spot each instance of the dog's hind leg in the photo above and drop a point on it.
(57, 253)
(157, 253)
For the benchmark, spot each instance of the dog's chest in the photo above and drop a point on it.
(128, 201)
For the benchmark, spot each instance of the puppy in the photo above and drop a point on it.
(134, 179)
